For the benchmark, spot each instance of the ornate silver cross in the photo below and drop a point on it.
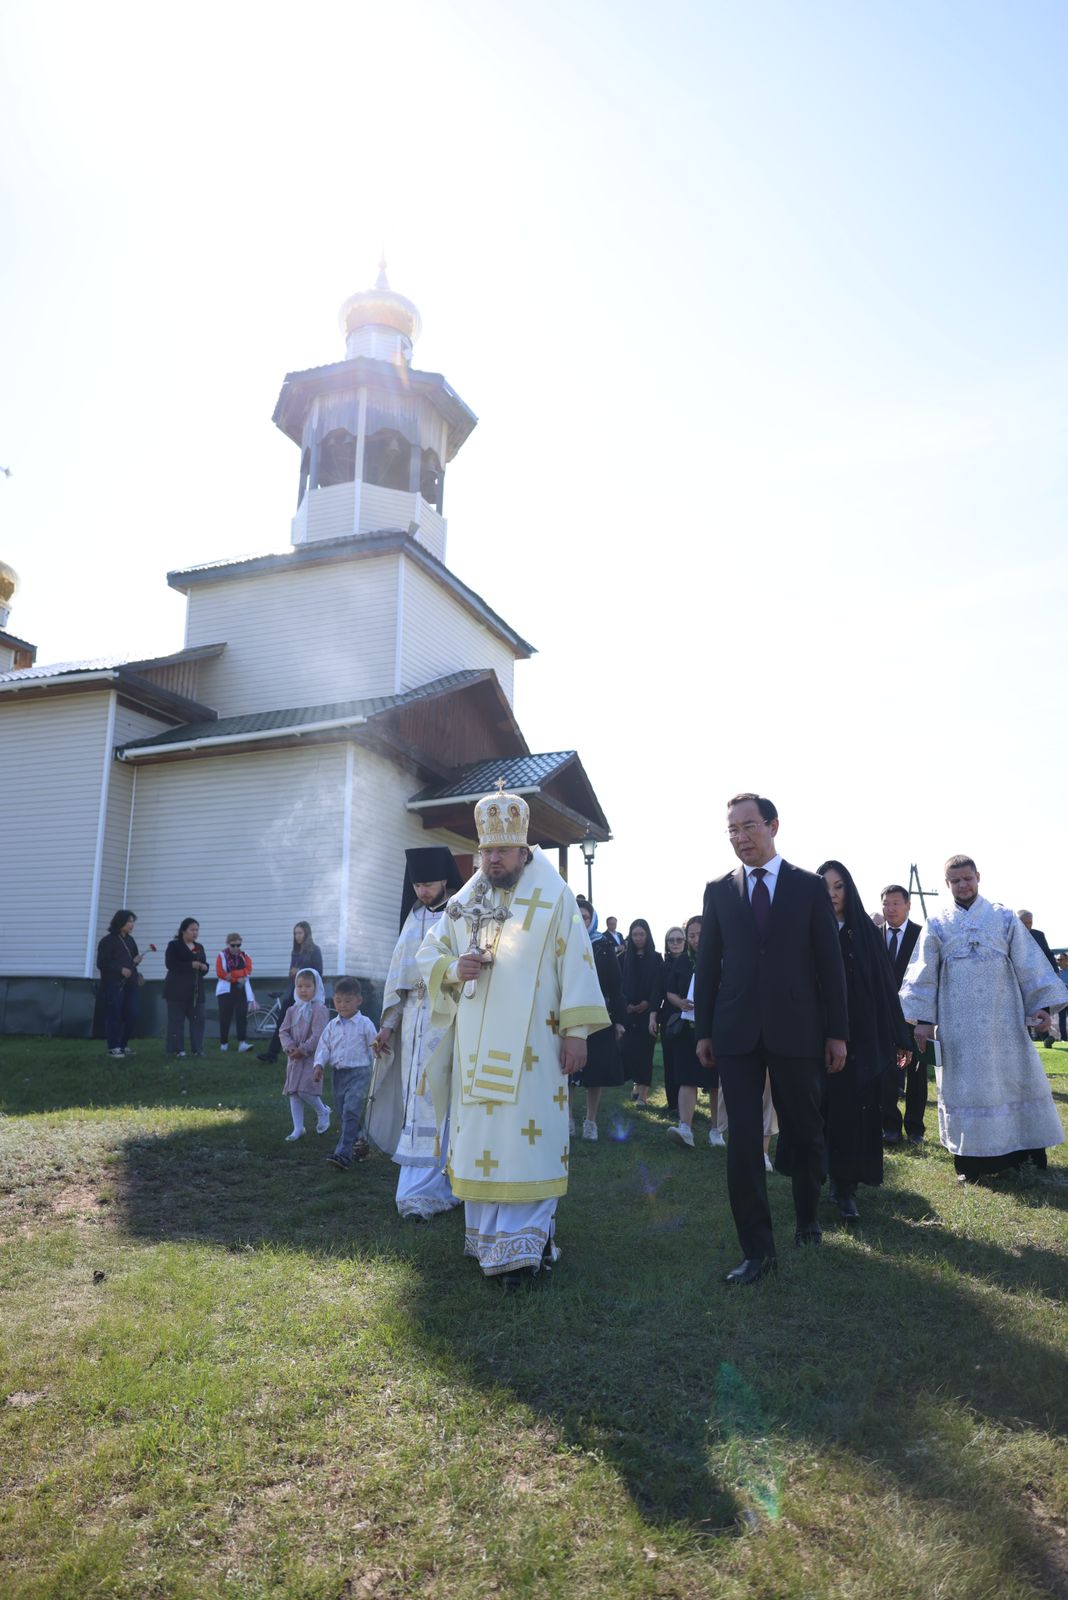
(475, 914)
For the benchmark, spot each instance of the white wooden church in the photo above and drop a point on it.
(376, 737)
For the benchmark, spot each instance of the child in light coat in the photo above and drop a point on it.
(299, 1035)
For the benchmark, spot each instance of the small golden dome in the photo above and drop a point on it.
(381, 307)
(9, 582)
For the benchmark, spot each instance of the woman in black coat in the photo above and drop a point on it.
(604, 1064)
(643, 973)
(879, 1040)
(183, 989)
(118, 959)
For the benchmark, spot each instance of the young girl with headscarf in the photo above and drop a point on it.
(299, 1035)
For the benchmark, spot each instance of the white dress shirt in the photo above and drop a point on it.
(771, 877)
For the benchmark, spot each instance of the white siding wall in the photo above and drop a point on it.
(52, 757)
(330, 512)
(382, 829)
(250, 843)
(439, 635)
(297, 639)
(128, 725)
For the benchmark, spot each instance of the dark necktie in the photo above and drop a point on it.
(894, 937)
(760, 900)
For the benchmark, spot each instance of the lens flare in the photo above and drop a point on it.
(752, 1458)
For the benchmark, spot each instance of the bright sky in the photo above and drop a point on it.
(761, 308)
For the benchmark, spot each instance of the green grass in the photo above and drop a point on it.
(278, 1389)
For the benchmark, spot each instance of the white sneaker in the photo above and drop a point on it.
(181, 1056)
(127, 1051)
(243, 1047)
(683, 1134)
(767, 1164)
(224, 1047)
(324, 1122)
(294, 1135)
(716, 1139)
(589, 1129)
(119, 1053)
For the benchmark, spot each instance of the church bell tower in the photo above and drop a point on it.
(375, 434)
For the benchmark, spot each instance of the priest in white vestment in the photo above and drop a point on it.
(511, 977)
(979, 978)
(408, 1037)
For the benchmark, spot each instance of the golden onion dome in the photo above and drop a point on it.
(381, 307)
(9, 582)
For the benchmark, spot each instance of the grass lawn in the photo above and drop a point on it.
(229, 1370)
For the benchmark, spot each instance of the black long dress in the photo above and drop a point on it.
(678, 1040)
(643, 979)
(604, 1064)
(852, 1098)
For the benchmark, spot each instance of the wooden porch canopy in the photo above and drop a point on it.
(563, 805)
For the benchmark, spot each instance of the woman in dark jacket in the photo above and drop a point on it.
(118, 958)
(642, 973)
(305, 953)
(674, 948)
(879, 1039)
(183, 989)
(604, 1065)
(677, 1039)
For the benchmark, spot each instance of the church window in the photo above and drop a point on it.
(387, 460)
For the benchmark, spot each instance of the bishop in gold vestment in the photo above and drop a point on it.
(510, 1038)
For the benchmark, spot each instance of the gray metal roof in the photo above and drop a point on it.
(65, 669)
(294, 718)
(519, 773)
(300, 388)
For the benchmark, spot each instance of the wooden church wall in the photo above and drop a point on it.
(52, 752)
(305, 638)
(439, 636)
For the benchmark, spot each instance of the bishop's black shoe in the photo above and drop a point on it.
(810, 1235)
(751, 1270)
(846, 1201)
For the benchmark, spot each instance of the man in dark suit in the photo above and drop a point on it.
(1043, 944)
(911, 1080)
(770, 999)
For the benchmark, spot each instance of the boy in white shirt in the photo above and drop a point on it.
(346, 1048)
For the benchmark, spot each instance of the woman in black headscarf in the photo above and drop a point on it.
(643, 972)
(878, 1041)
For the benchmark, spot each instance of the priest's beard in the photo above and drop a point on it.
(508, 880)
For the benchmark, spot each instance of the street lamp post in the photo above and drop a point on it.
(588, 846)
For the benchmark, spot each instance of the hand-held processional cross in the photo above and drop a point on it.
(475, 914)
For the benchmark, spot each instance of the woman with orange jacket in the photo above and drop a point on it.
(233, 968)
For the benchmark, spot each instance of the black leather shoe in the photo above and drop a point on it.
(891, 1138)
(915, 1138)
(751, 1270)
(812, 1235)
(847, 1206)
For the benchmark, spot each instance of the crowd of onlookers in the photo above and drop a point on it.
(185, 986)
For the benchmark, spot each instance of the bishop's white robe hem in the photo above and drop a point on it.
(503, 1238)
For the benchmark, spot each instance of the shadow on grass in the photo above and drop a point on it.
(635, 1352)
